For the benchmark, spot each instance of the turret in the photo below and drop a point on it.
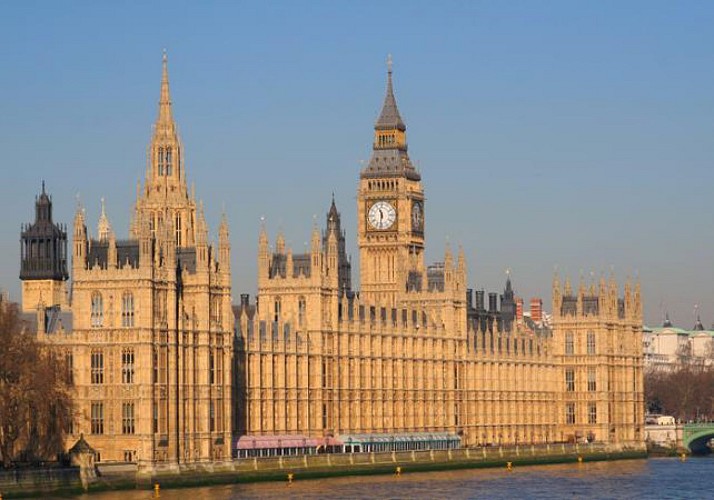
(280, 244)
(79, 255)
(104, 228)
(334, 246)
(146, 241)
(461, 266)
(224, 246)
(43, 258)
(315, 252)
(112, 251)
(43, 249)
(448, 266)
(202, 258)
(568, 289)
(289, 265)
(263, 255)
(628, 298)
(557, 296)
(602, 296)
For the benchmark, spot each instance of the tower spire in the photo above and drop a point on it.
(165, 118)
(389, 117)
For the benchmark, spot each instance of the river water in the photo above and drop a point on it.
(657, 478)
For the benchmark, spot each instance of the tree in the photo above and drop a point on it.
(685, 392)
(35, 394)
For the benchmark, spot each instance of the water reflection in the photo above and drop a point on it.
(654, 478)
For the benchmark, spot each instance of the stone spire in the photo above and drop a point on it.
(104, 228)
(165, 150)
(164, 120)
(224, 245)
(390, 118)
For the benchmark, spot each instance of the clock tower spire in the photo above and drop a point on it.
(390, 209)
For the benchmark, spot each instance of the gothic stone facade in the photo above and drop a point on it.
(152, 337)
(403, 354)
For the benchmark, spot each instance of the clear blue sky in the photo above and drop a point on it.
(570, 134)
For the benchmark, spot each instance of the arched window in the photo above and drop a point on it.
(178, 229)
(127, 310)
(591, 342)
(277, 309)
(127, 366)
(302, 308)
(569, 343)
(160, 158)
(216, 309)
(168, 161)
(97, 366)
(97, 314)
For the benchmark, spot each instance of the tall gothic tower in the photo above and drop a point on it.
(152, 324)
(390, 207)
(165, 197)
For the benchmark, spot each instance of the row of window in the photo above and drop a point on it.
(386, 140)
(302, 310)
(570, 343)
(570, 413)
(127, 417)
(127, 366)
(127, 310)
(164, 161)
(215, 367)
(128, 422)
(178, 231)
(570, 379)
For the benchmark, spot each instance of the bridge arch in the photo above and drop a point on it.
(697, 436)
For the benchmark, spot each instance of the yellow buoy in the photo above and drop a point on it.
(580, 460)
(509, 466)
(157, 489)
(398, 472)
(290, 478)
(683, 457)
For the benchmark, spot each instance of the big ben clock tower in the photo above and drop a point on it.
(390, 208)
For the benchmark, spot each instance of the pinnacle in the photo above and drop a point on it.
(165, 117)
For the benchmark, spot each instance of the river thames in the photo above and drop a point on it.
(654, 478)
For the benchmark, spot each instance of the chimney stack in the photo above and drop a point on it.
(492, 302)
(537, 309)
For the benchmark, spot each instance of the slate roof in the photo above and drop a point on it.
(390, 118)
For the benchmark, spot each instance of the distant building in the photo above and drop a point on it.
(668, 347)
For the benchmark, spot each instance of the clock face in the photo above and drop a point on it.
(417, 216)
(382, 215)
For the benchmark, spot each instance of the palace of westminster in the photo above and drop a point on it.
(166, 369)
